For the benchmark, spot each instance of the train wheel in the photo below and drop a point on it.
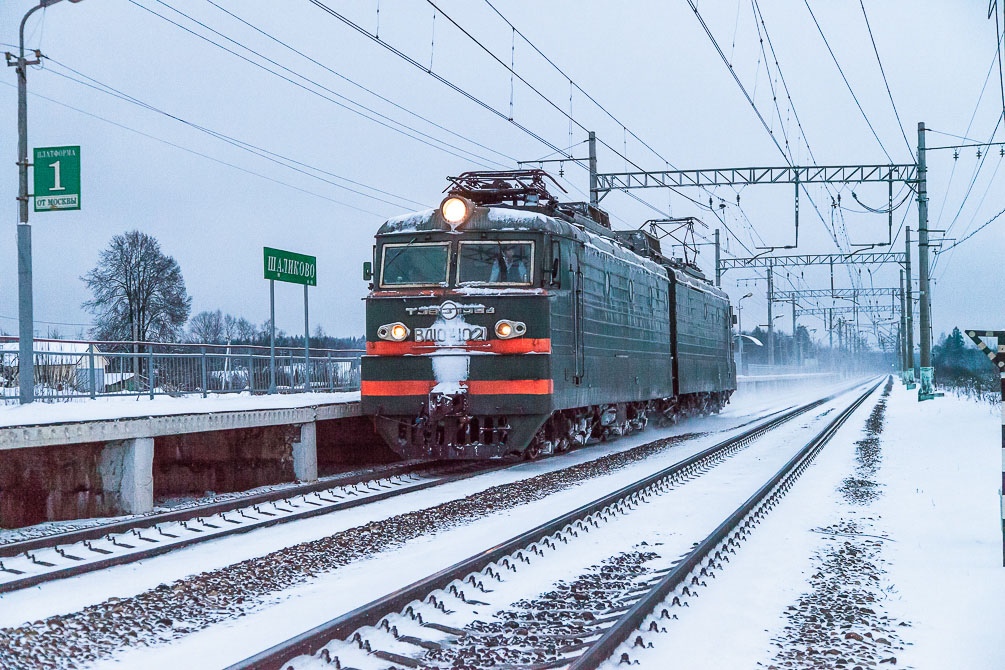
(533, 450)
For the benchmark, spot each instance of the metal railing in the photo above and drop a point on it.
(72, 369)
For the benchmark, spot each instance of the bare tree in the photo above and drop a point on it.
(207, 328)
(229, 328)
(139, 292)
(246, 331)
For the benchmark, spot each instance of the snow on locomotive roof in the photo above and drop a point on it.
(611, 247)
(407, 223)
(506, 215)
(494, 217)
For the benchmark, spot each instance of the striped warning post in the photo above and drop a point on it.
(997, 358)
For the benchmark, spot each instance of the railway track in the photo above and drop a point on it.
(56, 556)
(582, 623)
(43, 559)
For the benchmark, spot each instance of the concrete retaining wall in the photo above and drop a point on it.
(75, 481)
(223, 461)
(42, 479)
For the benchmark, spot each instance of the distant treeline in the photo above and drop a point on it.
(961, 366)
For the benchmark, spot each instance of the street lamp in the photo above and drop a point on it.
(776, 318)
(26, 363)
(739, 328)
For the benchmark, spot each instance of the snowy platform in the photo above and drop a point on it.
(96, 457)
(105, 419)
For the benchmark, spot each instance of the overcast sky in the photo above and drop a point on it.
(214, 205)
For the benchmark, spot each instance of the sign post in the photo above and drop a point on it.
(294, 268)
(272, 336)
(997, 357)
(57, 178)
(307, 346)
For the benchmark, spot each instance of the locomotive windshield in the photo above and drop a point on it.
(414, 264)
(498, 262)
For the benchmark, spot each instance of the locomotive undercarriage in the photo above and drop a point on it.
(446, 430)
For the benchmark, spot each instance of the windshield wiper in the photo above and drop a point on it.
(398, 255)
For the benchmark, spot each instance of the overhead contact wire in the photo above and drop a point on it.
(311, 90)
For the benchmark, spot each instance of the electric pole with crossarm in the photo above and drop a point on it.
(25, 308)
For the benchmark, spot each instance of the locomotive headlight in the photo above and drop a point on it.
(396, 332)
(506, 329)
(455, 210)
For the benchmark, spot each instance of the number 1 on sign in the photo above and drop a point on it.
(57, 186)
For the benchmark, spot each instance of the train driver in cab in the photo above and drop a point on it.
(508, 268)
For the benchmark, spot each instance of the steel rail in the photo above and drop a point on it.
(110, 556)
(370, 614)
(602, 649)
(150, 523)
(10, 549)
(200, 513)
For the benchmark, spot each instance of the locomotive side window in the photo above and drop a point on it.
(414, 264)
(498, 262)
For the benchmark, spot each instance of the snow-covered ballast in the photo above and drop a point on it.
(505, 323)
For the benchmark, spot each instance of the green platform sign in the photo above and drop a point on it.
(291, 267)
(57, 178)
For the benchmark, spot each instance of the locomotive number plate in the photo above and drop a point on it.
(452, 335)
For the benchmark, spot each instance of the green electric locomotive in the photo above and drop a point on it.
(508, 323)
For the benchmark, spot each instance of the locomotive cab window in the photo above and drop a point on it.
(414, 264)
(496, 262)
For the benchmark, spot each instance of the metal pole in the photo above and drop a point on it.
(136, 349)
(909, 304)
(594, 194)
(204, 380)
(307, 346)
(272, 336)
(830, 336)
(927, 389)
(795, 341)
(90, 366)
(904, 361)
(718, 272)
(25, 309)
(771, 318)
(1001, 491)
(739, 327)
(899, 344)
(856, 343)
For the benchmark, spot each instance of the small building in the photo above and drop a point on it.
(60, 365)
(118, 382)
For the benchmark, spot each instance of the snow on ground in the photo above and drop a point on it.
(131, 407)
(942, 473)
(122, 581)
(932, 533)
(68, 595)
(333, 594)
